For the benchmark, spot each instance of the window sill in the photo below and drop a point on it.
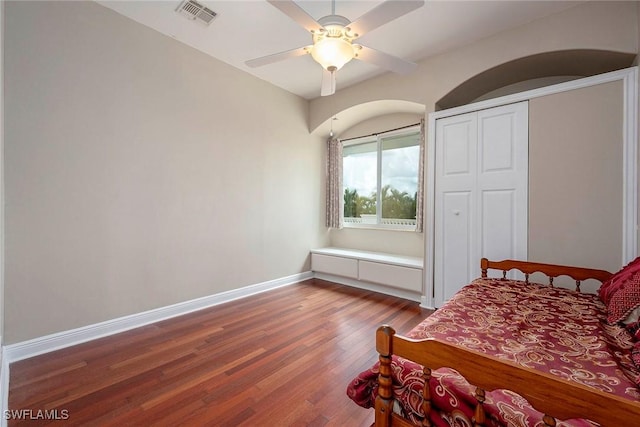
(385, 227)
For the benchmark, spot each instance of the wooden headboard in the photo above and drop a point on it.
(550, 270)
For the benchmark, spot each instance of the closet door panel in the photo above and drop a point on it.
(498, 233)
(498, 155)
(503, 135)
(456, 148)
(456, 171)
(457, 237)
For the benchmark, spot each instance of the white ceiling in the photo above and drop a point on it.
(247, 29)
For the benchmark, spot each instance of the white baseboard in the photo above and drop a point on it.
(426, 303)
(387, 290)
(4, 385)
(48, 343)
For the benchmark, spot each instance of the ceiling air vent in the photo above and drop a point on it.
(196, 12)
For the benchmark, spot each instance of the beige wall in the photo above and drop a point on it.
(380, 124)
(403, 242)
(141, 172)
(575, 177)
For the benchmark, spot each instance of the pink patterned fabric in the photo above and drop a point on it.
(445, 385)
(554, 330)
(635, 354)
(625, 299)
(452, 396)
(618, 280)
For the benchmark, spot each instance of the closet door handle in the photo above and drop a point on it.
(456, 212)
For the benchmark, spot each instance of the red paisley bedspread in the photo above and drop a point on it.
(549, 329)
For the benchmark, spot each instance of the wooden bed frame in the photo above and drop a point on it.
(547, 393)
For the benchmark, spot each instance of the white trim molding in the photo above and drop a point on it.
(57, 341)
(4, 364)
(4, 385)
(368, 286)
(629, 78)
(630, 167)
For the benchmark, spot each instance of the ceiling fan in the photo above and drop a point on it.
(333, 39)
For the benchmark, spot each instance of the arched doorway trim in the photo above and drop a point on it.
(576, 63)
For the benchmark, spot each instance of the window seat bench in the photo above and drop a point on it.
(392, 274)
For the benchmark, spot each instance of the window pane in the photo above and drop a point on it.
(359, 180)
(400, 158)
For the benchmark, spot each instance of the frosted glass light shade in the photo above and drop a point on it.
(332, 52)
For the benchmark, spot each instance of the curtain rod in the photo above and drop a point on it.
(379, 133)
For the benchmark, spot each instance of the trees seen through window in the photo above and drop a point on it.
(380, 179)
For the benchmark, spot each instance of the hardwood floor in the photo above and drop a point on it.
(280, 358)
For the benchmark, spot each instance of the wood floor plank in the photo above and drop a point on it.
(280, 358)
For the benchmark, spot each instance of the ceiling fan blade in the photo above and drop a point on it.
(381, 14)
(328, 83)
(298, 14)
(386, 61)
(276, 57)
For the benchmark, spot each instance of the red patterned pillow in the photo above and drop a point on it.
(617, 280)
(624, 300)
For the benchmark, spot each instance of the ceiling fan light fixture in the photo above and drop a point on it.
(332, 52)
(334, 35)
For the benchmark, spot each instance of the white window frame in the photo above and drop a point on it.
(391, 223)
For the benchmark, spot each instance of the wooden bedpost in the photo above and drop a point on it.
(384, 400)
(479, 418)
(484, 266)
(426, 396)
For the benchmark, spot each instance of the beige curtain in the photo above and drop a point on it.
(335, 212)
(420, 196)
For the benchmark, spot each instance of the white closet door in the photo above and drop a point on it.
(480, 193)
(455, 202)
